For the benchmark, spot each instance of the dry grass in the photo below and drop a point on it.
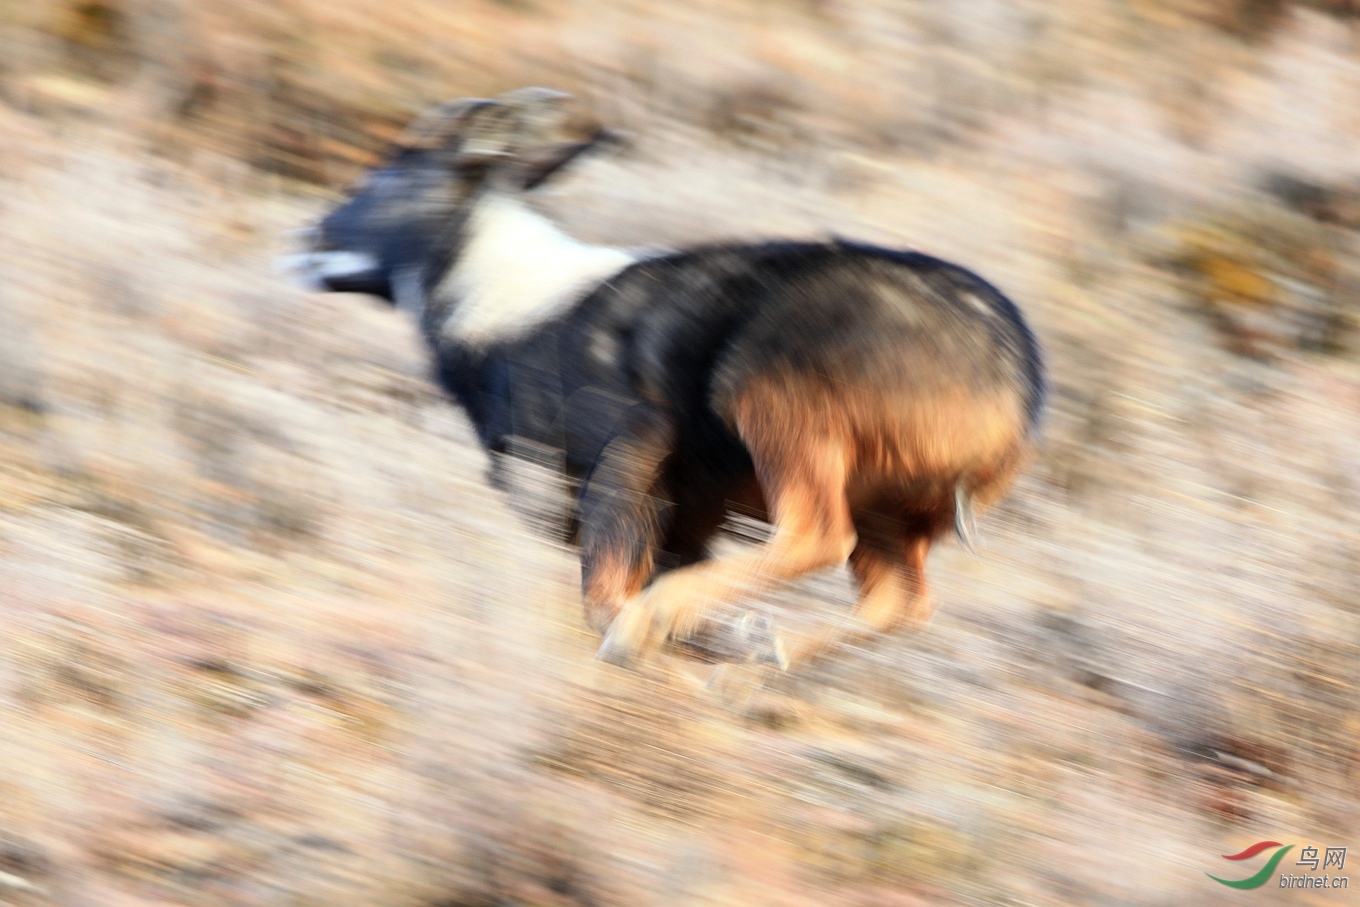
(268, 638)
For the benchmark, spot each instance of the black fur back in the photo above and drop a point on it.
(664, 330)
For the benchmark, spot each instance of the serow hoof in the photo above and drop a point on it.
(615, 651)
(750, 639)
(758, 639)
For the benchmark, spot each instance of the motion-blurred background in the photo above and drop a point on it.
(266, 637)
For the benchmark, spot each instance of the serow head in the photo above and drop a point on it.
(406, 215)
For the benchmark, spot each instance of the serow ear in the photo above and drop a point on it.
(539, 165)
(542, 111)
(437, 126)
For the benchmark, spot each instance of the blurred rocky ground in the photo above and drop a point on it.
(267, 638)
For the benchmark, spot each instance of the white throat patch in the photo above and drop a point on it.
(517, 270)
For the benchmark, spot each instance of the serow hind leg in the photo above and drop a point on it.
(747, 638)
(812, 530)
(893, 593)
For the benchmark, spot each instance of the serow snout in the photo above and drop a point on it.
(318, 268)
